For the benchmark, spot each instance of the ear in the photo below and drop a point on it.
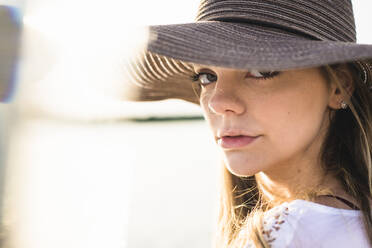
(341, 88)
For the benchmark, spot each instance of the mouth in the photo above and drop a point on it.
(238, 141)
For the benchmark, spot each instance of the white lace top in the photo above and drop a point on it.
(305, 224)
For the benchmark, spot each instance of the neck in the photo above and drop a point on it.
(306, 182)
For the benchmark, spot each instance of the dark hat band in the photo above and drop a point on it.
(320, 20)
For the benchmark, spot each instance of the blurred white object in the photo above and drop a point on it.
(85, 44)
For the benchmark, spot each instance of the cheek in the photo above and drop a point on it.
(204, 99)
(204, 103)
(294, 121)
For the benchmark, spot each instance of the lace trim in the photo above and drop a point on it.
(273, 223)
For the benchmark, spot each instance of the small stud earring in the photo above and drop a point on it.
(343, 104)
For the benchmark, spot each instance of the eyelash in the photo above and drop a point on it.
(196, 76)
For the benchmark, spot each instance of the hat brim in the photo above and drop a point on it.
(163, 71)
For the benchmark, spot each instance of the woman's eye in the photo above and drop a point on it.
(204, 78)
(262, 74)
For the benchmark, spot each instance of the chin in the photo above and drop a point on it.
(241, 168)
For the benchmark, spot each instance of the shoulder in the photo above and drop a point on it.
(277, 222)
(277, 226)
(306, 224)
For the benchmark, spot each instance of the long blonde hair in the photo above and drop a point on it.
(347, 156)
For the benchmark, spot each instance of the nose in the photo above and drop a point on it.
(225, 98)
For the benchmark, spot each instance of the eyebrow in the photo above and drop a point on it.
(196, 66)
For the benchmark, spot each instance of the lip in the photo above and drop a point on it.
(234, 132)
(237, 141)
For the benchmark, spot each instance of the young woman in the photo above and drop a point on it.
(287, 92)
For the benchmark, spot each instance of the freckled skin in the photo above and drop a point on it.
(290, 111)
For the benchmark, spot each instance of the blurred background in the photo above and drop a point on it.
(79, 166)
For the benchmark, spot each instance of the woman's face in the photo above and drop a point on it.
(265, 121)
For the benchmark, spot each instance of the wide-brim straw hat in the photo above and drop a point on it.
(246, 34)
